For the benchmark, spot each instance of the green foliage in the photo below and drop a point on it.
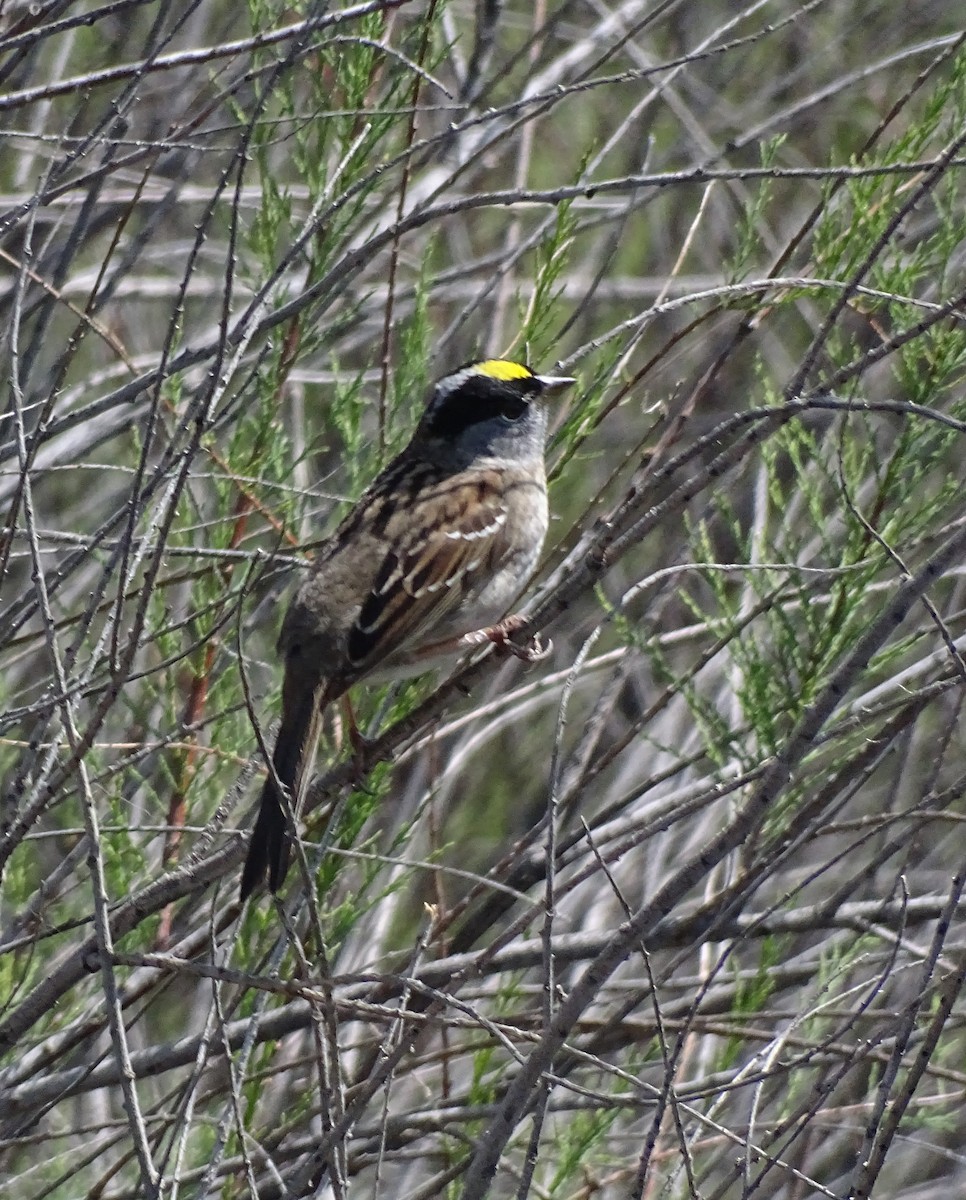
(216, 205)
(347, 412)
(751, 995)
(541, 315)
(409, 381)
(747, 250)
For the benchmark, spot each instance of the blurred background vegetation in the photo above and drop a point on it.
(676, 913)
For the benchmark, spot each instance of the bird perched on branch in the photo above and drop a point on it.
(427, 563)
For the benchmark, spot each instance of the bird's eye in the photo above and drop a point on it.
(514, 409)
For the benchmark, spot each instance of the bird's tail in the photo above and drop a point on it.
(294, 753)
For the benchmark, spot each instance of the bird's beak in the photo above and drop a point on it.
(554, 383)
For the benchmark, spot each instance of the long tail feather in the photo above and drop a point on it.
(270, 845)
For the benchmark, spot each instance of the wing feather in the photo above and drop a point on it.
(424, 578)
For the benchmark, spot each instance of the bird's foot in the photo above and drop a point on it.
(358, 743)
(501, 636)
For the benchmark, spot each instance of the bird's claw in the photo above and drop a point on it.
(501, 637)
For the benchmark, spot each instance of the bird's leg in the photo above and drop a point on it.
(501, 635)
(357, 740)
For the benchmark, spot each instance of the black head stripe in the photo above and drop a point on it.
(480, 398)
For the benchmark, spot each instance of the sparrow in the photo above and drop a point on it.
(427, 563)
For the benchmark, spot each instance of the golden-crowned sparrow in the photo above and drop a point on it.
(434, 552)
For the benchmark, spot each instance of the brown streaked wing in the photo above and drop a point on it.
(422, 579)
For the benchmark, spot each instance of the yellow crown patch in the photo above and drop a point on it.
(501, 368)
